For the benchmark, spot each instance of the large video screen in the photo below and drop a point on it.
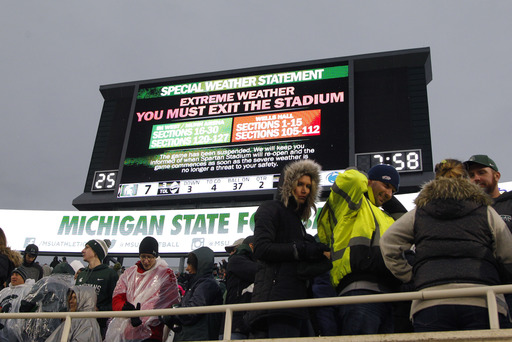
(232, 134)
(222, 138)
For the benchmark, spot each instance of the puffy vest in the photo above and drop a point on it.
(453, 250)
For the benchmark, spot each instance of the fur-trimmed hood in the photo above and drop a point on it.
(288, 181)
(451, 197)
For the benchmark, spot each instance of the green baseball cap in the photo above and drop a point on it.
(481, 159)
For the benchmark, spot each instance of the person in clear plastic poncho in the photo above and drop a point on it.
(80, 298)
(149, 284)
(10, 300)
(47, 295)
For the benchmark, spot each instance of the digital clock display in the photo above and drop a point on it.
(104, 180)
(402, 161)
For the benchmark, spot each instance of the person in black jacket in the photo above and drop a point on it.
(281, 242)
(203, 290)
(483, 171)
(33, 269)
(54, 262)
(240, 272)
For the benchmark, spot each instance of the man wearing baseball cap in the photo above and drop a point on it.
(484, 172)
(33, 270)
(351, 224)
(231, 249)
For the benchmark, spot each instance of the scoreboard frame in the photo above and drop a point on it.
(385, 108)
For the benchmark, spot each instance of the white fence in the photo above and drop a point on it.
(487, 292)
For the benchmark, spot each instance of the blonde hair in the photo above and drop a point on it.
(14, 256)
(3, 239)
(451, 168)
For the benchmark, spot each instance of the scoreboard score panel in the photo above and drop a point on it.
(209, 185)
(225, 136)
(197, 186)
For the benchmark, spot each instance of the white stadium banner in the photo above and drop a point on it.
(177, 231)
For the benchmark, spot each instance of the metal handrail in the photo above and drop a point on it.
(488, 292)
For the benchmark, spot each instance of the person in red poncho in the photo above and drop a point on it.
(149, 284)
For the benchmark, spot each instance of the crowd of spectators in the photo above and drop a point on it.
(457, 236)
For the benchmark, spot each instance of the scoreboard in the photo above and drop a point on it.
(222, 138)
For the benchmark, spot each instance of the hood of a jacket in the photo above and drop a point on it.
(449, 198)
(288, 181)
(205, 262)
(85, 298)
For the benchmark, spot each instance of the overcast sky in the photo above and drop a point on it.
(55, 55)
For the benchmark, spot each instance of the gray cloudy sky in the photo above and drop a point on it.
(56, 54)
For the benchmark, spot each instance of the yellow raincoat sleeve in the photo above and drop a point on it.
(344, 201)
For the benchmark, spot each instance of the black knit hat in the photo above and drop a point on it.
(21, 272)
(100, 247)
(149, 245)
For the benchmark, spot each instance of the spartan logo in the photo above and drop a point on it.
(175, 187)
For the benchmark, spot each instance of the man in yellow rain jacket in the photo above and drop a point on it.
(351, 223)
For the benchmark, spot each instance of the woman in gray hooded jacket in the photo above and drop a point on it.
(281, 242)
(80, 298)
